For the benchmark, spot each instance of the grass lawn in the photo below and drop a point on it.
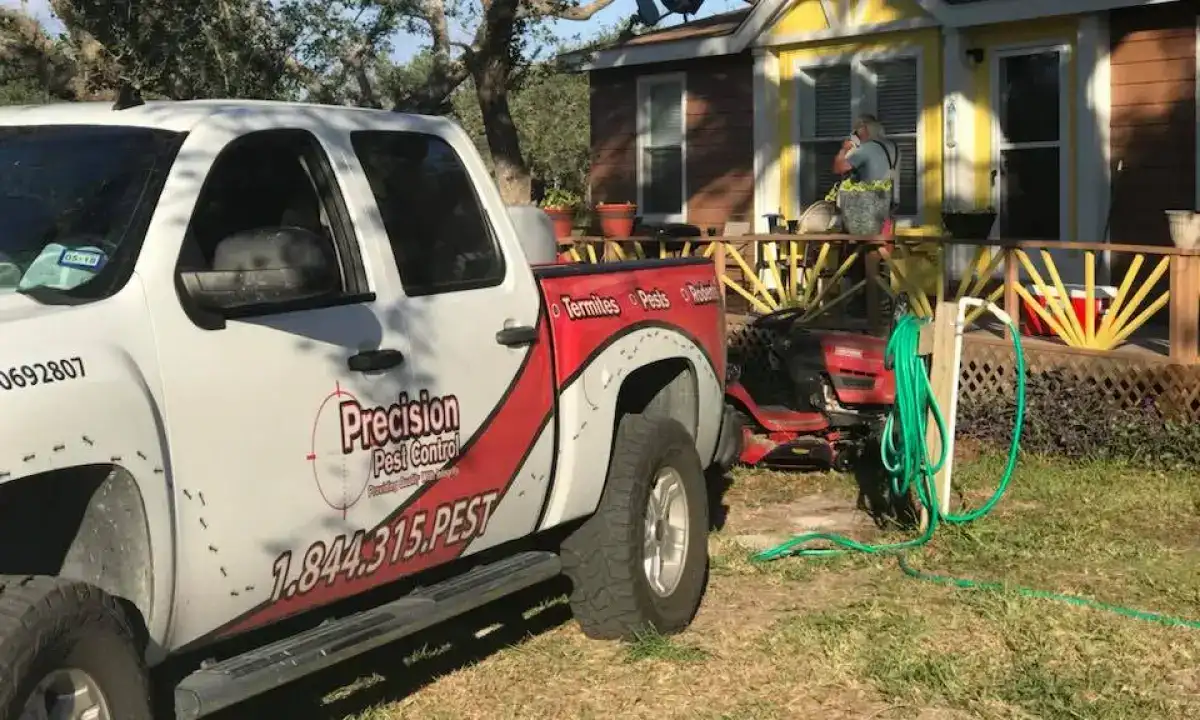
(853, 637)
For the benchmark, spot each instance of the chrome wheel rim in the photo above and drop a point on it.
(665, 543)
(68, 694)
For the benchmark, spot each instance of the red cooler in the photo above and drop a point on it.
(1032, 323)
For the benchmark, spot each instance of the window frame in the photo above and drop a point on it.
(318, 164)
(644, 84)
(488, 226)
(860, 85)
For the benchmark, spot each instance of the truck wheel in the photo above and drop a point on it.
(641, 561)
(67, 651)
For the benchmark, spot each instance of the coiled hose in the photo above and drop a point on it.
(906, 458)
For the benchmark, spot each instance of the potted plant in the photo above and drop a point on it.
(616, 219)
(560, 204)
(969, 224)
(865, 206)
(1185, 228)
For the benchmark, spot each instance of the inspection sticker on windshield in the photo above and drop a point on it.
(82, 259)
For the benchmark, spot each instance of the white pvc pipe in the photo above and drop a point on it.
(951, 415)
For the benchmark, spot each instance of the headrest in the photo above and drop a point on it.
(273, 249)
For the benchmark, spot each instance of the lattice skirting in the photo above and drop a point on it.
(1128, 381)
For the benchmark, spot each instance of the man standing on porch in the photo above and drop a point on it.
(867, 154)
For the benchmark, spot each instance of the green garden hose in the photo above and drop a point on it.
(906, 458)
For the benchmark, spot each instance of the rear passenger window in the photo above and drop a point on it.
(438, 232)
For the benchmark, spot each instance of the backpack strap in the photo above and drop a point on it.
(895, 176)
(891, 160)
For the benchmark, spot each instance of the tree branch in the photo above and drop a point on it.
(549, 8)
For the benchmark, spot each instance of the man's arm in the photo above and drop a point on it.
(844, 162)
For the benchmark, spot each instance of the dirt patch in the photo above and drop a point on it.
(968, 450)
(760, 527)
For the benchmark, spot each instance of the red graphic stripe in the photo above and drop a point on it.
(487, 464)
(606, 304)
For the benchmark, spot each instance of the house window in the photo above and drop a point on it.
(831, 95)
(661, 147)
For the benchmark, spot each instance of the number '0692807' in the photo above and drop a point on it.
(365, 552)
(42, 373)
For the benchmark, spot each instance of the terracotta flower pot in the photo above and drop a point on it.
(563, 219)
(616, 219)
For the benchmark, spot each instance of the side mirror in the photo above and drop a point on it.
(265, 266)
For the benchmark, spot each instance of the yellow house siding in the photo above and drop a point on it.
(806, 16)
(884, 11)
(928, 44)
(809, 16)
(1058, 31)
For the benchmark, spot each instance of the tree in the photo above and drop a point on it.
(549, 108)
(34, 67)
(327, 51)
(490, 43)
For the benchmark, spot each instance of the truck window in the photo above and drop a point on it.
(435, 223)
(272, 179)
(74, 202)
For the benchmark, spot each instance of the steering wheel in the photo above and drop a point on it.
(773, 320)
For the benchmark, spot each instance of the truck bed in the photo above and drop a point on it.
(591, 306)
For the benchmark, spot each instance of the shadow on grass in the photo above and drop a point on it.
(875, 496)
(393, 672)
(718, 485)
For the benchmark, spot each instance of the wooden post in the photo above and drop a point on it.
(1012, 278)
(943, 378)
(873, 292)
(718, 257)
(1184, 309)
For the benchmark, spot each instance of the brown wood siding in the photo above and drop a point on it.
(1153, 120)
(719, 166)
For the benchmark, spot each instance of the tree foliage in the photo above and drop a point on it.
(549, 108)
(484, 64)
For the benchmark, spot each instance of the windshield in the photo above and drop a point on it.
(69, 205)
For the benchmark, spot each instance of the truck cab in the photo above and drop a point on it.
(263, 358)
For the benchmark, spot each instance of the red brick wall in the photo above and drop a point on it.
(720, 136)
(1153, 118)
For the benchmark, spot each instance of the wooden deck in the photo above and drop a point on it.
(1148, 345)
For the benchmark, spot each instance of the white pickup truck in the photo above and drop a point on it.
(261, 359)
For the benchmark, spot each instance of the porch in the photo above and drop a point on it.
(1137, 338)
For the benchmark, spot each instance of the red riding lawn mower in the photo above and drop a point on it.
(808, 399)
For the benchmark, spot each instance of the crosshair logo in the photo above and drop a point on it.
(341, 479)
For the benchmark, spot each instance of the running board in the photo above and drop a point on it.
(239, 678)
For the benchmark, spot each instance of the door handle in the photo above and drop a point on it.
(375, 360)
(516, 336)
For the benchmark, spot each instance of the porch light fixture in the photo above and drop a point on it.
(975, 54)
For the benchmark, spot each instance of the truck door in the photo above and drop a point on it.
(265, 332)
(325, 445)
(468, 317)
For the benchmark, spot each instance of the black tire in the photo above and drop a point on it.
(611, 597)
(47, 624)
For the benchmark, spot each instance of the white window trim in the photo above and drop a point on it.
(644, 83)
(1066, 138)
(857, 80)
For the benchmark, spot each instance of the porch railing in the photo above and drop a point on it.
(824, 275)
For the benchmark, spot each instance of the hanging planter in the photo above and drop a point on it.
(1185, 228)
(616, 219)
(970, 224)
